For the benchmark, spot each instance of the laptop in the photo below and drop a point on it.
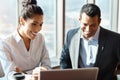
(70, 74)
(1, 71)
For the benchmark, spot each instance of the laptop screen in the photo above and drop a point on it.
(70, 74)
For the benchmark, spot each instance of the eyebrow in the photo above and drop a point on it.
(37, 22)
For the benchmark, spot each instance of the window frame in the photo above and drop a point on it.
(114, 15)
(119, 19)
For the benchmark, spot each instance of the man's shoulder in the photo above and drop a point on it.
(110, 33)
(73, 31)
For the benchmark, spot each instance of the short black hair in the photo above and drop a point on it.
(91, 10)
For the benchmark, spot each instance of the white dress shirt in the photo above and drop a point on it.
(13, 54)
(88, 49)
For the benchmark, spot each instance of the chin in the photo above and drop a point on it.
(32, 38)
(87, 37)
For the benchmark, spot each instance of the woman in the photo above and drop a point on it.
(25, 49)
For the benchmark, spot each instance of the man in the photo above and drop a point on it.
(91, 45)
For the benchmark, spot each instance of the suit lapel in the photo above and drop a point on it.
(101, 42)
(74, 49)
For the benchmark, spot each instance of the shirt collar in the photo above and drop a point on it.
(17, 36)
(96, 36)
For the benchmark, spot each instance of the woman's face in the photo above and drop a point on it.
(30, 27)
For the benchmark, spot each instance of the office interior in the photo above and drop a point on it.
(59, 17)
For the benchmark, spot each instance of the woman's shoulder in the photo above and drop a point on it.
(11, 37)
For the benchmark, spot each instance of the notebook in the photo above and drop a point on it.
(1, 70)
(70, 74)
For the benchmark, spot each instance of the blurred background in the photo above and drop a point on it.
(59, 17)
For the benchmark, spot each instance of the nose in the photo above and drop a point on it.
(37, 29)
(88, 28)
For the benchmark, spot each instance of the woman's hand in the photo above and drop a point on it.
(43, 69)
(36, 72)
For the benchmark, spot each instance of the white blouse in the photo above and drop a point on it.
(13, 53)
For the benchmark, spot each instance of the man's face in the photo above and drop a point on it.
(89, 25)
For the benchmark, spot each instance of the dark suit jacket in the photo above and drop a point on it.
(107, 57)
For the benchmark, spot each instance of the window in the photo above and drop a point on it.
(105, 13)
(109, 11)
(72, 13)
(119, 19)
(8, 17)
(49, 26)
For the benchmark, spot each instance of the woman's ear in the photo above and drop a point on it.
(21, 21)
